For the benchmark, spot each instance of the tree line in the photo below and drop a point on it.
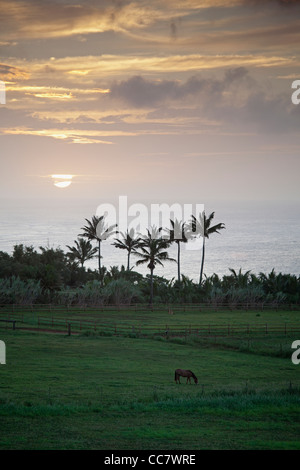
(57, 276)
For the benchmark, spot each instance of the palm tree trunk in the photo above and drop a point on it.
(202, 261)
(151, 287)
(128, 261)
(178, 261)
(99, 257)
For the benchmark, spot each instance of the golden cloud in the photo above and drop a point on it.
(108, 65)
(48, 19)
(77, 136)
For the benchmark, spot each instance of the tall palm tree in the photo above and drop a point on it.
(82, 251)
(152, 251)
(97, 229)
(177, 235)
(202, 227)
(128, 242)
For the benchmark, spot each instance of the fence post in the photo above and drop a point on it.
(69, 329)
(266, 328)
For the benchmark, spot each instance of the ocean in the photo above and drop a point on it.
(258, 237)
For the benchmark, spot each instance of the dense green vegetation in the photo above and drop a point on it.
(52, 276)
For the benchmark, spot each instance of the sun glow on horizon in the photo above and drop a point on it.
(62, 181)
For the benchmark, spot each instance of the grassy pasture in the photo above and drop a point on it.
(89, 391)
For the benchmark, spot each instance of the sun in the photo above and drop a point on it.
(62, 181)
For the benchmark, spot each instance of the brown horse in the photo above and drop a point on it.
(185, 373)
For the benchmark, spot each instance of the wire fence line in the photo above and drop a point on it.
(79, 319)
(70, 326)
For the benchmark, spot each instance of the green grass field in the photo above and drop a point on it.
(97, 391)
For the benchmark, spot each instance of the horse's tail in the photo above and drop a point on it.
(175, 376)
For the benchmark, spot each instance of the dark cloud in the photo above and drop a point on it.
(236, 101)
(280, 2)
(8, 72)
(5, 69)
(173, 29)
(140, 92)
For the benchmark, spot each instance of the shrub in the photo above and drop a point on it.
(16, 291)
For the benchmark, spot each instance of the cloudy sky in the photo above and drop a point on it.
(164, 99)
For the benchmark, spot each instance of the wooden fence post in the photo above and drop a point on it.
(69, 329)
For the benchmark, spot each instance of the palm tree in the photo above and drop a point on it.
(202, 227)
(177, 235)
(96, 229)
(152, 252)
(129, 242)
(240, 279)
(82, 251)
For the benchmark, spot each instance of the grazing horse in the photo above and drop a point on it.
(185, 373)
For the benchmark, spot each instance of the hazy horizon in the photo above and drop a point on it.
(258, 238)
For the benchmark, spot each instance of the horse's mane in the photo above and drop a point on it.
(193, 375)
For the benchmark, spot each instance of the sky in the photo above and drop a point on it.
(168, 100)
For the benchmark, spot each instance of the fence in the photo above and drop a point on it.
(10, 321)
(70, 326)
(80, 319)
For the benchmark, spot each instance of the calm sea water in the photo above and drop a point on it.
(257, 237)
